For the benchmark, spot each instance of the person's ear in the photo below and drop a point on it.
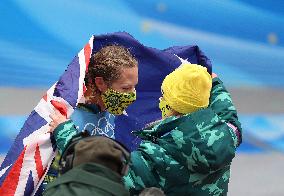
(101, 84)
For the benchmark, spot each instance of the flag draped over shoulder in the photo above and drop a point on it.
(33, 150)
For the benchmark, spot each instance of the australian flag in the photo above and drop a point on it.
(31, 154)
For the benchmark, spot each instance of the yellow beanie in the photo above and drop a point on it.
(187, 89)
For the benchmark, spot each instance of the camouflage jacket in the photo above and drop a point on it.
(189, 155)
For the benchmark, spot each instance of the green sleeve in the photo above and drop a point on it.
(63, 133)
(221, 103)
(142, 171)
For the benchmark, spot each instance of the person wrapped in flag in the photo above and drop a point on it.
(110, 88)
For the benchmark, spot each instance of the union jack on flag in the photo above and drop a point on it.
(30, 156)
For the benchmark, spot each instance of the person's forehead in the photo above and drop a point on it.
(128, 75)
(129, 70)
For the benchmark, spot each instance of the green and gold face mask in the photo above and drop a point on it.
(117, 102)
(165, 108)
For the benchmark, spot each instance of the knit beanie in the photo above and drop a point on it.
(100, 150)
(187, 89)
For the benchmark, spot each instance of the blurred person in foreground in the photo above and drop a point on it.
(188, 152)
(91, 165)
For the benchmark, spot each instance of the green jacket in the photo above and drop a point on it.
(87, 179)
(189, 155)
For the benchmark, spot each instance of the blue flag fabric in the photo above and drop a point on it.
(154, 65)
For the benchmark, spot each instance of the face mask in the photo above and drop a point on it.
(165, 108)
(117, 102)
